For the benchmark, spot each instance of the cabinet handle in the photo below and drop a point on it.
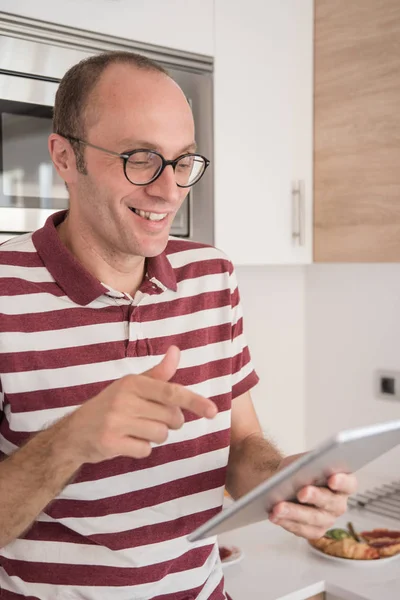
(298, 212)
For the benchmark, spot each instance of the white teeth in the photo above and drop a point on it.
(150, 216)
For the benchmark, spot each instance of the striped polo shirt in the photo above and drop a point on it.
(119, 530)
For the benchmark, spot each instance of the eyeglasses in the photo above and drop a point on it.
(142, 167)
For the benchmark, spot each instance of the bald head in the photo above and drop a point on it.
(139, 105)
(73, 104)
(131, 108)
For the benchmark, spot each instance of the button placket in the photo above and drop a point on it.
(136, 344)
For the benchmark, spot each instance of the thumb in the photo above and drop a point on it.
(166, 369)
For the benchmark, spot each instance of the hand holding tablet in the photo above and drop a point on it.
(345, 452)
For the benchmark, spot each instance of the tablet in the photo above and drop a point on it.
(346, 452)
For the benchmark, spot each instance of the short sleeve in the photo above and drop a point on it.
(244, 376)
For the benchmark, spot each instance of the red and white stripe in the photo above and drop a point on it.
(119, 530)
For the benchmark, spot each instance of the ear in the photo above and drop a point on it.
(63, 157)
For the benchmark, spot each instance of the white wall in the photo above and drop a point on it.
(317, 335)
(273, 304)
(352, 321)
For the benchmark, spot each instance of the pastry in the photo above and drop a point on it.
(349, 548)
(321, 543)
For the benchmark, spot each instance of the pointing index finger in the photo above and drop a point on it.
(174, 394)
(184, 398)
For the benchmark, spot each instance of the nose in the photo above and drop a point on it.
(165, 187)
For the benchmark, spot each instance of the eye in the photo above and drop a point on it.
(143, 160)
(185, 163)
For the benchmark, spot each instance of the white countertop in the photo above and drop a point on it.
(280, 566)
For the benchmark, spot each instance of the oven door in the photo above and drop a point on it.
(30, 188)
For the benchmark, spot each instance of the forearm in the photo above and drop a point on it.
(31, 478)
(251, 461)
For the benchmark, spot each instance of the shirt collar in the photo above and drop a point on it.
(74, 279)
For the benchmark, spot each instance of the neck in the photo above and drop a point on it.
(123, 273)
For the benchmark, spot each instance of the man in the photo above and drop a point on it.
(125, 377)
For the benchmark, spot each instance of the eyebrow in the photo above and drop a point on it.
(132, 144)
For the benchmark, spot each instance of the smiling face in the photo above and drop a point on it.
(129, 109)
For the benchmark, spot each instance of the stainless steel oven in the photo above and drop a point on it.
(33, 58)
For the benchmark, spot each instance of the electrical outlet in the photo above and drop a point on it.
(387, 385)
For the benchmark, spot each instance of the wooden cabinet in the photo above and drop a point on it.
(263, 130)
(178, 24)
(357, 131)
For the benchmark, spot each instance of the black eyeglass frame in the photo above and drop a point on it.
(126, 156)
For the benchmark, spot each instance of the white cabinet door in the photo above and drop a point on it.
(178, 24)
(263, 128)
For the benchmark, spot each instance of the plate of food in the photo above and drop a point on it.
(377, 546)
(230, 555)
